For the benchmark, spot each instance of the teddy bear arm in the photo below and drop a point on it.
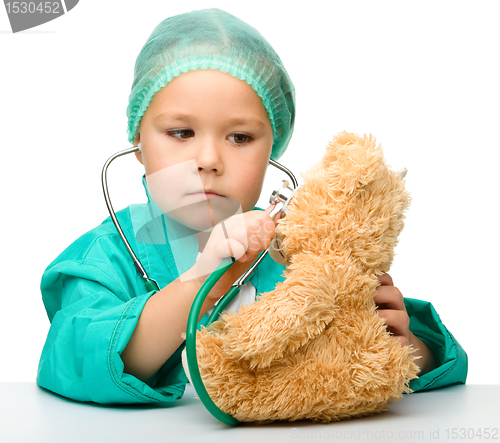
(281, 321)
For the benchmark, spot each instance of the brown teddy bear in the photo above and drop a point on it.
(314, 347)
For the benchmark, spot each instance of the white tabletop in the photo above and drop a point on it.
(30, 414)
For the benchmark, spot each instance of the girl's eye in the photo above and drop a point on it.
(184, 133)
(241, 139)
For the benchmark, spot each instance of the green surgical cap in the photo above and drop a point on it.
(214, 39)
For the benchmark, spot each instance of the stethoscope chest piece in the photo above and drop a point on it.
(282, 197)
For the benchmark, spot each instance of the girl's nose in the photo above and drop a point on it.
(208, 158)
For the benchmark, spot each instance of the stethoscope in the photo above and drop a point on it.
(281, 197)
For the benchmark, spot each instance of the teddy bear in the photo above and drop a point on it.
(314, 348)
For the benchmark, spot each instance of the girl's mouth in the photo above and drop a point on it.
(206, 194)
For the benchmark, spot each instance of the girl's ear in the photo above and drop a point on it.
(138, 155)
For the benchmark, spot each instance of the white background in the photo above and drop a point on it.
(422, 77)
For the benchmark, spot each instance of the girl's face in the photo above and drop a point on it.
(205, 131)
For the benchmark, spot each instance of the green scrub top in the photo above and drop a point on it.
(94, 297)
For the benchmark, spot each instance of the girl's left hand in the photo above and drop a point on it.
(391, 307)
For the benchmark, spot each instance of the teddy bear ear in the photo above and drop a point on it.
(352, 162)
(402, 172)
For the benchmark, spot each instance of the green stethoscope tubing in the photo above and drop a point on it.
(192, 359)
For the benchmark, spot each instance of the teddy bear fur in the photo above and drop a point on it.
(314, 347)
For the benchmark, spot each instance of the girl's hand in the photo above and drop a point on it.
(391, 308)
(242, 236)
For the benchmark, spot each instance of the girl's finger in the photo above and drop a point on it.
(397, 321)
(275, 217)
(390, 297)
(385, 280)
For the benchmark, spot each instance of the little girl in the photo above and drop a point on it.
(211, 103)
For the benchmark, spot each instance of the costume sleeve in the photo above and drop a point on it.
(450, 356)
(93, 313)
